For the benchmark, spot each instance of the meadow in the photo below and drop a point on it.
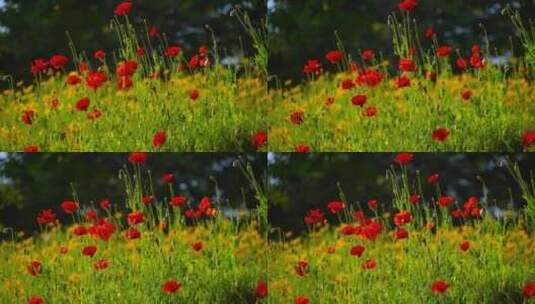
(431, 97)
(414, 249)
(173, 249)
(146, 95)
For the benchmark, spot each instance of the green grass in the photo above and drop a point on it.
(495, 268)
(498, 116)
(227, 269)
(230, 108)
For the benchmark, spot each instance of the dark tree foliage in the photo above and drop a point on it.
(32, 29)
(32, 182)
(305, 29)
(299, 182)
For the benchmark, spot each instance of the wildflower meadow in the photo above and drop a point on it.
(419, 249)
(432, 97)
(146, 95)
(141, 249)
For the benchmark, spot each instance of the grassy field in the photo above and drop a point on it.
(424, 250)
(179, 251)
(147, 95)
(432, 97)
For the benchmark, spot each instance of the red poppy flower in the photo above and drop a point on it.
(178, 200)
(69, 206)
(83, 67)
(127, 68)
(100, 55)
(259, 139)
(476, 61)
(36, 300)
(445, 201)
(347, 84)
(89, 250)
(402, 218)
(312, 66)
(193, 213)
(403, 81)
(429, 32)
(132, 234)
(357, 250)
(302, 148)
(464, 246)
(58, 61)
(406, 65)
(34, 268)
(528, 139)
(347, 230)
(301, 268)
(79, 230)
(471, 203)
(403, 158)
(444, 51)
(369, 77)
(407, 5)
(194, 94)
(147, 199)
(331, 249)
(54, 103)
(369, 264)
(297, 117)
(334, 56)
(415, 199)
(168, 178)
(154, 31)
(138, 158)
(462, 64)
(314, 216)
(466, 94)
(197, 246)
(433, 178)
(302, 300)
(28, 116)
(329, 101)
(124, 8)
(336, 206)
(73, 80)
(159, 139)
(63, 250)
(172, 51)
(102, 229)
(370, 230)
(440, 134)
(83, 104)
(359, 100)
(140, 51)
(31, 149)
(46, 216)
(439, 286)
(171, 286)
(261, 290)
(372, 204)
(529, 290)
(101, 265)
(39, 66)
(369, 111)
(96, 79)
(367, 55)
(94, 114)
(205, 204)
(135, 217)
(91, 215)
(401, 233)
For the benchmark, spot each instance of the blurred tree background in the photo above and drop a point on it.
(299, 182)
(33, 29)
(31, 182)
(305, 29)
